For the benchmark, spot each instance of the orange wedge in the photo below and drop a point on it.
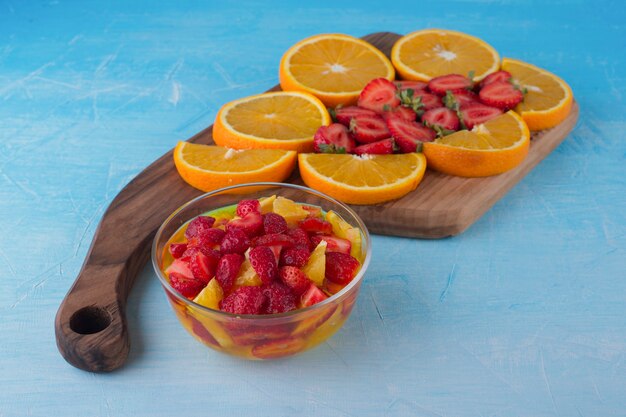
(280, 120)
(429, 53)
(333, 67)
(367, 179)
(211, 167)
(488, 149)
(547, 99)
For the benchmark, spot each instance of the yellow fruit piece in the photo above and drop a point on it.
(291, 211)
(344, 230)
(211, 167)
(247, 276)
(267, 204)
(367, 179)
(548, 99)
(333, 67)
(213, 326)
(210, 296)
(430, 53)
(488, 149)
(279, 120)
(315, 268)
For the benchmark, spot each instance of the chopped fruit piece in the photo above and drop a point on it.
(382, 147)
(274, 239)
(263, 261)
(199, 225)
(244, 300)
(279, 348)
(181, 268)
(246, 206)
(405, 113)
(251, 224)
(177, 249)
(408, 135)
(335, 244)
(478, 114)
(501, 94)
(334, 138)
(494, 77)
(208, 238)
(295, 279)
(429, 101)
(203, 266)
(314, 211)
(419, 101)
(227, 270)
(183, 284)
(368, 129)
(345, 114)
(211, 295)
(413, 85)
(343, 229)
(247, 276)
(200, 331)
(379, 95)
(274, 223)
(315, 225)
(276, 250)
(316, 266)
(291, 211)
(235, 241)
(450, 82)
(341, 267)
(332, 287)
(300, 237)
(312, 295)
(279, 298)
(267, 204)
(442, 120)
(294, 257)
(460, 100)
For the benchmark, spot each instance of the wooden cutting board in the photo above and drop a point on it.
(90, 325)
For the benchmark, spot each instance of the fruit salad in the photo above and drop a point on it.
(261, 258)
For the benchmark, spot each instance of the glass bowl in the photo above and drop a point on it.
(260, 336)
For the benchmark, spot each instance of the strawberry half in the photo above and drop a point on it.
(413, 85)
(295, 279)
(199, 225)
(274, 239)
(251, 224)
(344, 114)
(279, 298)
(244, 300)
(294, 257)
(187, 287)
(408, 135)
(402, 112)
(379, 95)
(333, 243)
(419, 101)
(274, 223)
(441, 119)
(477, 114)
(341, 267)
(203, 266)
(314, 225)
(368, 129)
(177, 249)
(312, 295)
(334, 138)
(263, 262)
(460, 99)
(382, 147)
(246, 206)
(227, 270)
(494, 77)
(450, 82)
(501, 94)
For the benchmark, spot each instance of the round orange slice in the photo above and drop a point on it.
(211, 167)
(429, 53)
(279, 120)
(367, 179)
(547, 99)
(333, 67)
(488, 149)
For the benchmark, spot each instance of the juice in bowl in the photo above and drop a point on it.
(262, 270)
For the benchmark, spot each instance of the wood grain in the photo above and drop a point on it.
(91, 327)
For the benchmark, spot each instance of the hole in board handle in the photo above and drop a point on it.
(90, 320)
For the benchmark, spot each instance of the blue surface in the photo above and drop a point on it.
(522, 315)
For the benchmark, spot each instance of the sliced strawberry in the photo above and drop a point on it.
(279, 298)
(181, 268)
(402, 112)
(264, 263)
(413, 85)
(274, 239)
(441, 119)
(382, 147)
(312, 295)
(295, 279)
(251, 223)
(314, 211)
(333, 243)
(419, 101)
(278, 348)
(187, 287)
(429, 101)
(344, 114)
(379, 95)
(294, 257)
(477, 114)
(501, 94)
(208, 238)
(199, 225)
(315, 225)
(244, 300)
(203, 266)
(201, 331)
(274, 223)
(334, 138)
(300, 237)
(276, 250)
(227, 270)
(246, 206)
(341, 267)
(494, 77)
(450, 82)
(177, 249)
(235, 241)
(460, 100)
(408, 135)
(368, 129)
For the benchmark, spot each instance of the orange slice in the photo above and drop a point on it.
(367, 179)
(211, 167)
(548, 99)
(488, 149)
(280, 120)
(333, 67)
(429, 53)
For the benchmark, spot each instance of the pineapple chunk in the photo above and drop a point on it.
(315, 268)
(291, 211)
(210, 296)
(342, 229)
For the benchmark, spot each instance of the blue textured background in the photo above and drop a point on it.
(523, 315)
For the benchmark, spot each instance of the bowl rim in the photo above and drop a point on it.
(345, 290)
